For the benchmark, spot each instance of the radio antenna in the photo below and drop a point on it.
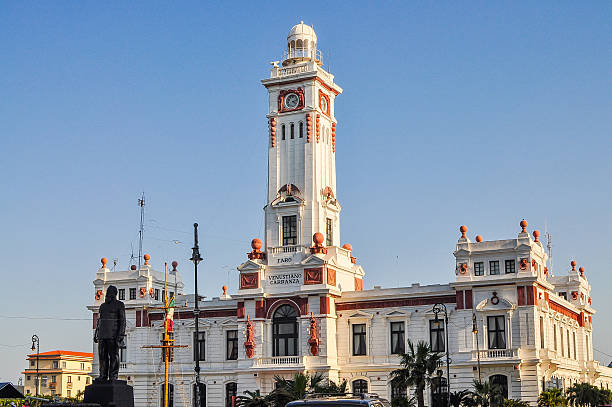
(141, 204)
(549, 248)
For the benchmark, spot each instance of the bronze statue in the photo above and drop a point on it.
(110, 335)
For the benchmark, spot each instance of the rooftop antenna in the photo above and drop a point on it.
(132, 257)
(141, 203)
(549, 248)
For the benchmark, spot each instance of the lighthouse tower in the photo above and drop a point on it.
(302, 214)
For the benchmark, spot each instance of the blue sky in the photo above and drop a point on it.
(479, 113)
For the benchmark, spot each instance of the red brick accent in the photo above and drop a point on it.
(260, 308)
(520, 292)
(469, 302)
(331, 276)
(308, 127)
(95, 320)
(313, 276)
(249, 280)
(240, 310)
(317, 130)
(358, 284)
(563, 310)
(459, 297)
(325, 306)
(281, 99)
(407, 302)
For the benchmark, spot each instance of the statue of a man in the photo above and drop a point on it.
(110, 335)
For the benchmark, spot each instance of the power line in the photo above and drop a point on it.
(603, 353)
(44, 318)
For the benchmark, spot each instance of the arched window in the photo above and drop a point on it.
(202, 395)
(170, 395)
(301, 129)
(439, 392)
(292, 131)
(283, 131)
(285, 331)
(231, 389)
(360, 386)
(298, 44)
(500, 381)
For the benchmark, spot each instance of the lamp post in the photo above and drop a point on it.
(438, 308)
(475, 332)
(36, 347)
(196, 258)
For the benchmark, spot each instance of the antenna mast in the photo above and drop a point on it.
(141, 203)
(549, 248)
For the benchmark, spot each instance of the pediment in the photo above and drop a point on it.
(228, 321)
(396, 313)
(313, 260)
(489, 305)
(360, 314)
(250, 265)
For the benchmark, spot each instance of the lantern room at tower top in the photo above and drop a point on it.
(302, 45)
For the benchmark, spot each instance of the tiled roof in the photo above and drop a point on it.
(63, 353)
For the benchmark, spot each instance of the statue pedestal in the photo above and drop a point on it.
(110, 394)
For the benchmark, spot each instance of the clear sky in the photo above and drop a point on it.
(476, 113)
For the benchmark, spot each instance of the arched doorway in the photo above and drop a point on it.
(498, 382)
(285, 331)
(360, 386)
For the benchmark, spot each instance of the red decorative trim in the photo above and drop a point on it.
(522, 298)
(143, 292)
(98, 295)
(308, 127)
(334, 137)
(469, 304)
(524, 263)
(574, 295)
(318, 126)
(324, 305)
(358, 284)
(563, 310)
(407, 302)
(240, 310)
(531, 294)
(281, 100)
(95, 320)
(300, 303)
(272, 125)
(151, 292)
(321, 97)
(331, 277)
(326, 86)
(249, 280)
(260, 308)
(313, 276)
(459, 296)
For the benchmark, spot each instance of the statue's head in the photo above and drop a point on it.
(111, 293)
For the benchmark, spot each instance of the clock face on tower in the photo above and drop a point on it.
(324, 104)
(291, 101)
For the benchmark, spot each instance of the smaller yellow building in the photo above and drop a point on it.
(62, 372)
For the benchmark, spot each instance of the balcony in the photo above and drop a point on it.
(287, 249)
(280, 362)
(496, 354)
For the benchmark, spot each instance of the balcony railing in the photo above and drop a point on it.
(286, 249)
(280, 361)
(496, 354)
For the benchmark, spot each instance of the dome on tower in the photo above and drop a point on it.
(302, 36)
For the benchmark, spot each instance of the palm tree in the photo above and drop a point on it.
(331, 387)
(296, 389)
(459, 398)
(515, 403)
(254, 399)
(417, 367)
(583, 394)
(485, 394)
(552, 398)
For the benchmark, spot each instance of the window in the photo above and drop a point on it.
(87, 380)
(68, 393)
(55, 364)
(574, 335)
(569, 352)
(329, 232)
(170, 394)
(157, 294)
(510, 266)
(542, 332)
(199, 346)
(360, 386)
(561, 337)
(289, 230)
(31, 363)
(230, 394)
(54, 379)
(501, 381)
(43, 381)
(232, 345)
(397, 338)
(479, 268)
(439, 391)
(301, 129)
(563, 294)
(202, 394)
(436, 335)
(122, 355)
(555, 336)
(283, 131)
(64, 365)
(78, 378)
(82, 366)
(132, 293)
(122, 294)
(29, 378)
(497, 332)
(285, 331)
(397, 390)
(587, 347)
(494, 267)
(69, 379)
(292, 131)
(359, 340)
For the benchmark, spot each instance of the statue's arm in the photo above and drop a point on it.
(121, 321)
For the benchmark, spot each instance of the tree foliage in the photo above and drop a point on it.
(552, 398)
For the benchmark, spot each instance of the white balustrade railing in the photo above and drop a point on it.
(280, 361)
(496, 353)
(286, 249)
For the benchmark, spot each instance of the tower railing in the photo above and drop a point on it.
(308, 53)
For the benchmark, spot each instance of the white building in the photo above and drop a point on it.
(534, 330)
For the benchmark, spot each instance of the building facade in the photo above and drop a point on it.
(300, 305)
(61, 372)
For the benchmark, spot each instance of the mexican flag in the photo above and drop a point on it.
(170, 315)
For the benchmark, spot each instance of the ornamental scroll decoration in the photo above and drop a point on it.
(98, 295)
(249, 280)
(462, 268)
(143, 292)
(524, 263)
(313, 276)
(249, 344)
(313, 340)
(284, 93)
(151, 292)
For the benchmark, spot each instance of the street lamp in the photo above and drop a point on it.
(438, 308)
(196, 258)
(475, 332)
(36, 347)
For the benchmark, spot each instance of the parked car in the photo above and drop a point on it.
(341, 400)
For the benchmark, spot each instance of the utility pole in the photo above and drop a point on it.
(196, 258)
